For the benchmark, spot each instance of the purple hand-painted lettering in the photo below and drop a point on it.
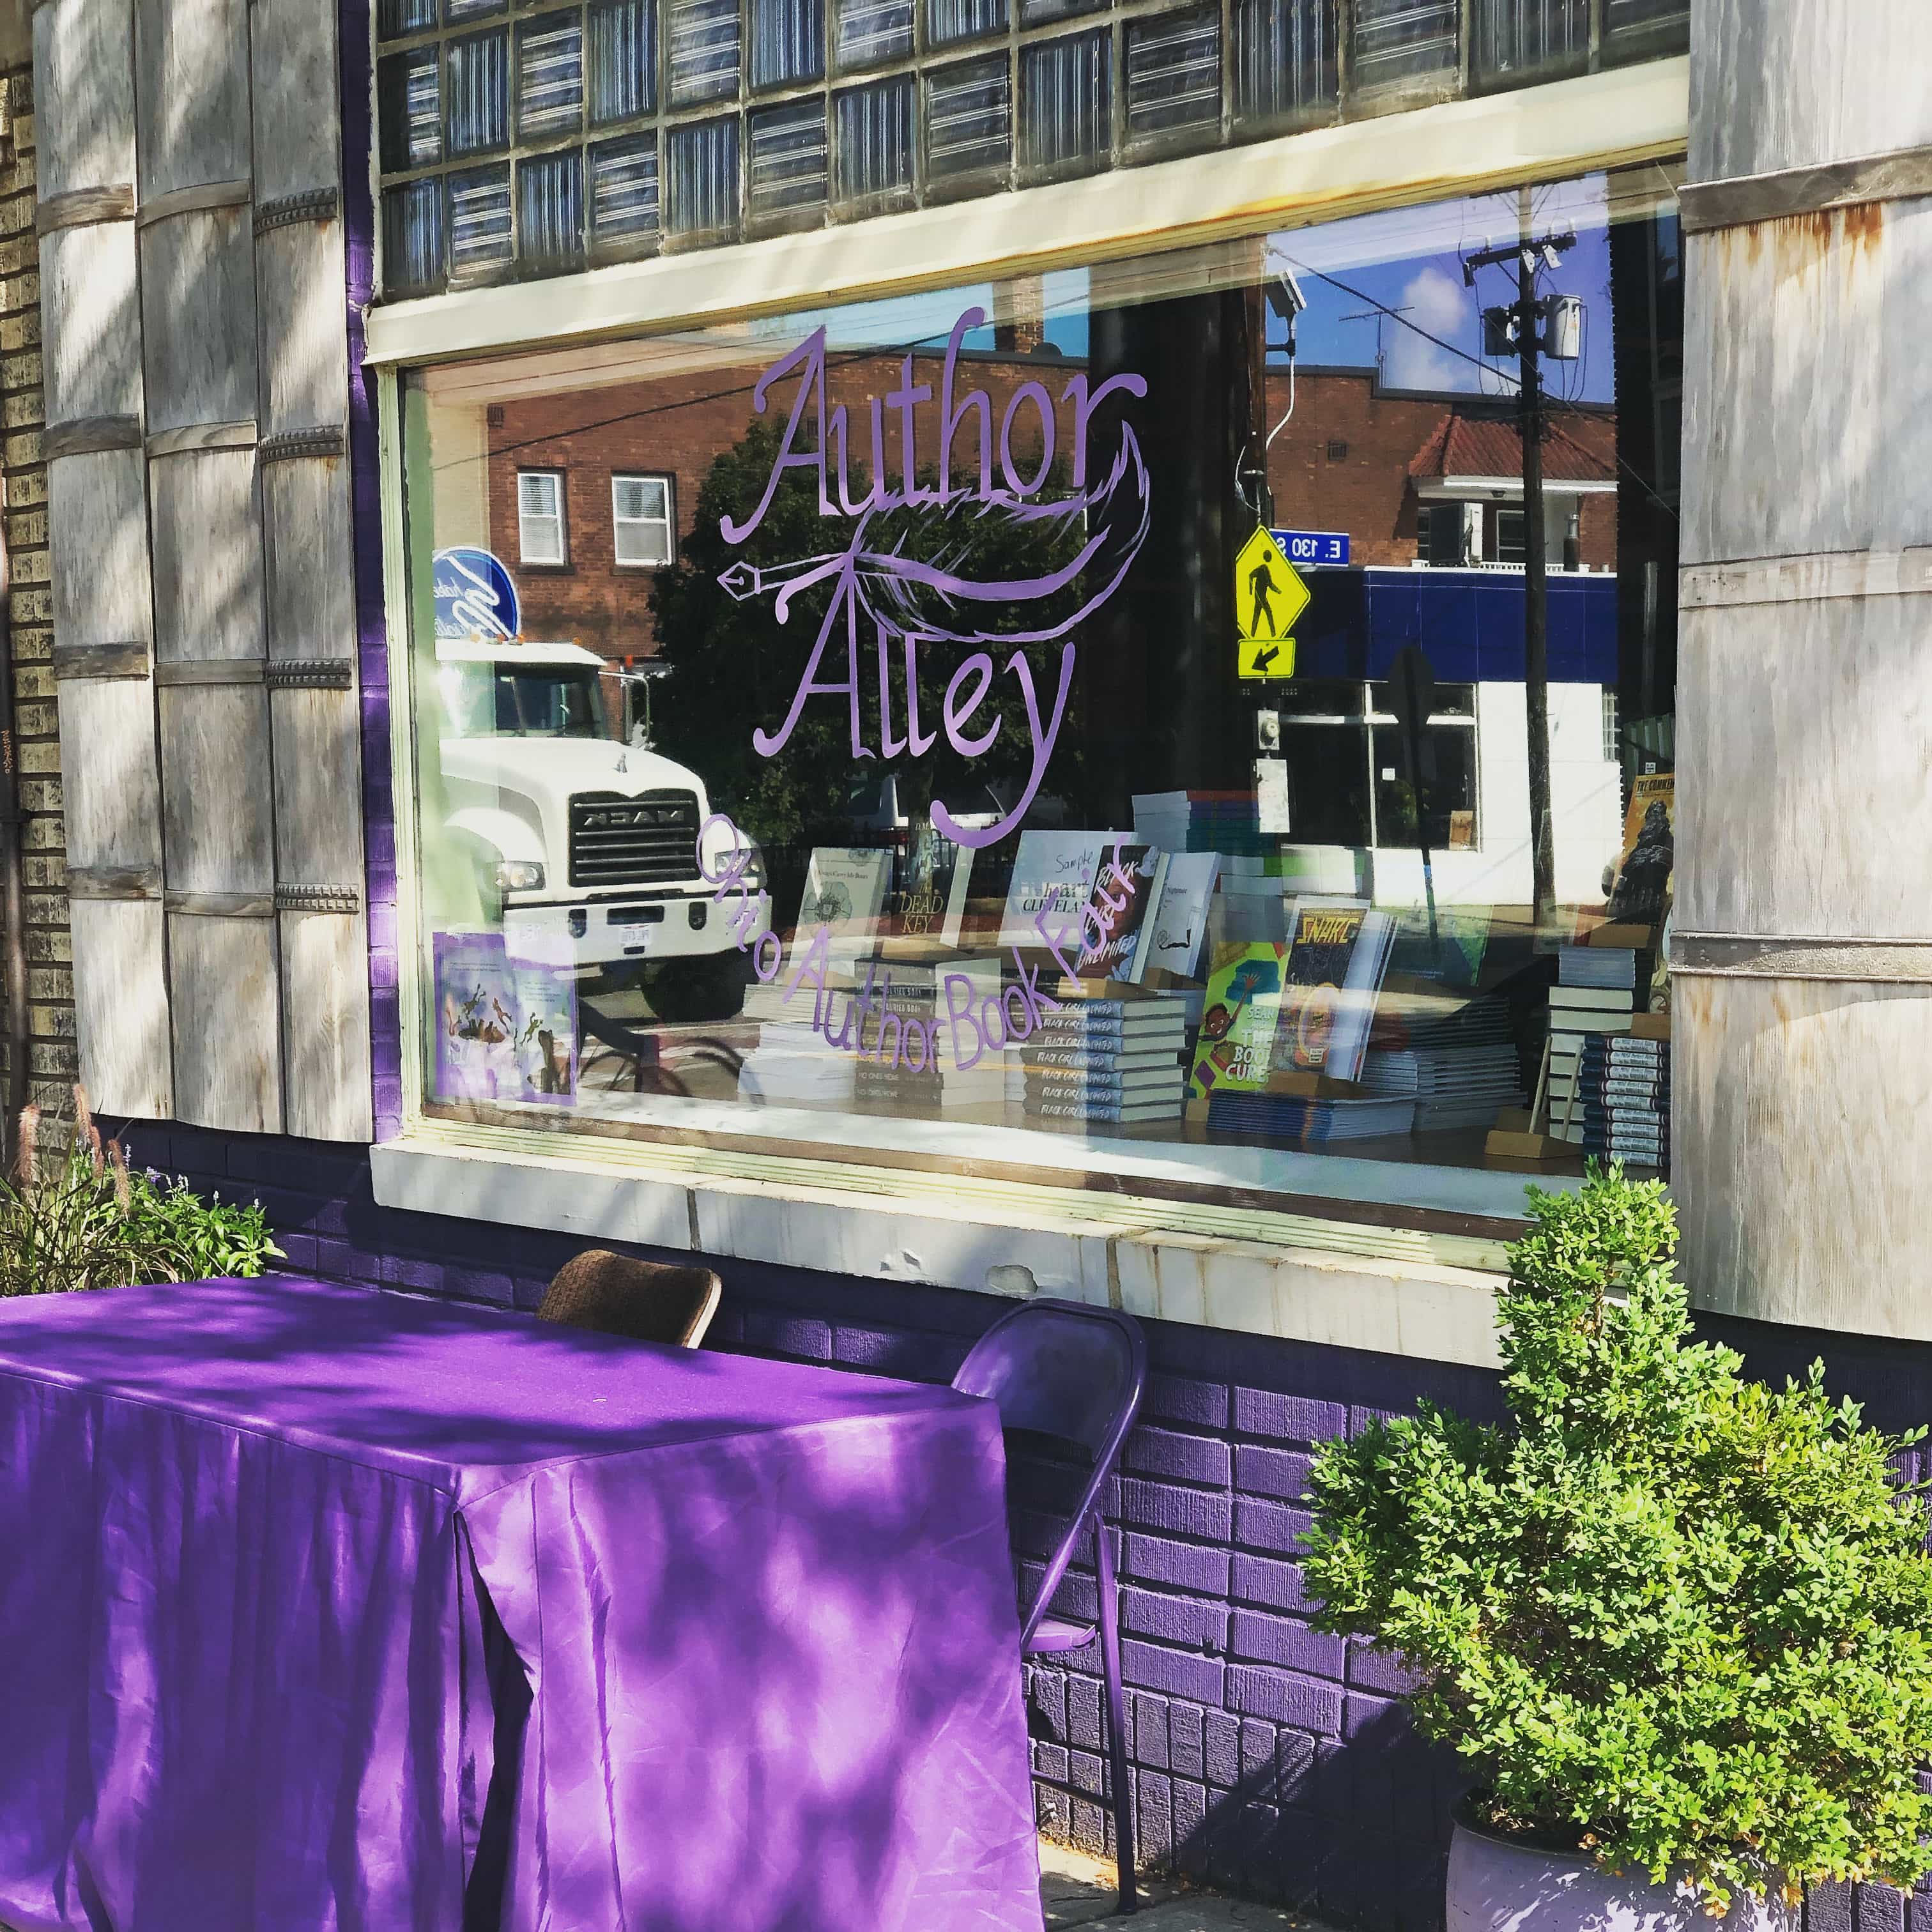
(921, 604)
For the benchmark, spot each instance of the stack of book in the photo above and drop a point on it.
(1105, 1060)
(906, 1061)
(1595, 996)
(1455, 1059)
(1228, 822)
(793, 1061)
(1302, 1120)
(1626, 1100)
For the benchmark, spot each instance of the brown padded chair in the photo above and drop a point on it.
(646, 1301)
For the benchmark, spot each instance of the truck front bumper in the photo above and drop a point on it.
(640, 927)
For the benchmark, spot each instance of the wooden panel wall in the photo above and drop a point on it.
(1803, 946)
(197, 401)
(97, 514)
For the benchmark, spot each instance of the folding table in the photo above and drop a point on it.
(323, 1607)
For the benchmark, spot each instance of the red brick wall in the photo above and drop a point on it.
(678, 425)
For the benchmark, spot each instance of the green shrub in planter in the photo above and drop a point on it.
(1672, 1619)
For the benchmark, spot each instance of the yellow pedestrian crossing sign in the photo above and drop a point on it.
(1269, 595)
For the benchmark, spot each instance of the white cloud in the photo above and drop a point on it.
(1436, 302)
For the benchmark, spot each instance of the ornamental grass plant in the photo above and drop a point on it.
(74, 1215)
(1673, 1619)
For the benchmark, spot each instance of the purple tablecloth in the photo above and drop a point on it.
(320, 1607)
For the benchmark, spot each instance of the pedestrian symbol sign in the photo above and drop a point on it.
(1269, 596)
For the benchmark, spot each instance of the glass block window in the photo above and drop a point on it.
(1400, 39)
(969, 117)
(1173, 75)
(787, 41)
(643, 522)
(704, 49)
(704, 177)
(870, 31)
(1039, 13)
(623, 61)
(411, 110)
(788, 157)
(624, 190)
(479, 219)
(550, 75)
(454, 10)
(412, 236)
(875, 140)
(476, 73)
(947, 21)
(1519, 37)
(1665, 21)
(1066, 101)
(550, 210)
(395, 18)
(540, 533)
(1285, 58)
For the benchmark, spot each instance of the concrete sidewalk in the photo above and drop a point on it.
(1077, 1890)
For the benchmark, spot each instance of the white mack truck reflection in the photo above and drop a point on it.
(585, 849)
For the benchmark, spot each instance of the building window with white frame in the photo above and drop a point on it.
(643, 519)
(540, 532)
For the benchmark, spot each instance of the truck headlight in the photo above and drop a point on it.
(518, 875)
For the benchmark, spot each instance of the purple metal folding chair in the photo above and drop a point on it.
(1073, 1374)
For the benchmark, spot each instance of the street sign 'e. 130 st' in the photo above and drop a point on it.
(1313, 547)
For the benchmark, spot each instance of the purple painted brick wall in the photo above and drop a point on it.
(1266, 1758)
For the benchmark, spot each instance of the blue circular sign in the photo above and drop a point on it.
(475, 597)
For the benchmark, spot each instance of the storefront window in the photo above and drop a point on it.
(1099, 720)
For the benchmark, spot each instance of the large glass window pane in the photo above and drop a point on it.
(789, 162)
(950, 20)
(623, 61)
(1285, 58)
(1070, 818)
(550, 75)
(705, 36)
(412, 237)
(969, 116)
(1517, 38)
(411, 110)
(873, 30)
(550, 210)
(394, 18)
(479, 220)
(1066, 101)
(787, 41)
(1403, 39)
(1173, 75)
(624, 205)
(704, 177)
(875, 141)
(477, 89)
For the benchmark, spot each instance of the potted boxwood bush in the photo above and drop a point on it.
(1679, 1624)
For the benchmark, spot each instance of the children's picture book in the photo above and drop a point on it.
(929, 901)
(845, 893)
(1114, 930)
(1645, 869)
(1235, 1053)
(1053, 879)
(506, 1028)
(1337, 956)
(1179, 925)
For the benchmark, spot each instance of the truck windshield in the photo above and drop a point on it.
(532, 701)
